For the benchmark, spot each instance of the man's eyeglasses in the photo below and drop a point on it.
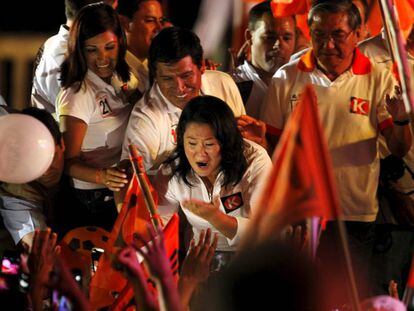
(337, 36)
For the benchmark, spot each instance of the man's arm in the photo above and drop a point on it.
(399, 136)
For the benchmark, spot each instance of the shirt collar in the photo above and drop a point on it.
(361, 64)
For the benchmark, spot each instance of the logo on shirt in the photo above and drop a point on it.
(294, 99)
(232, 202)
(104, 107)
(359, 106)
(174, 134)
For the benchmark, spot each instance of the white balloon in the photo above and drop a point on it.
(26, 148)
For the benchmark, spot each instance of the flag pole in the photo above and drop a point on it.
(314, 228)
(350, 270)
(398, 52)
(138, 168)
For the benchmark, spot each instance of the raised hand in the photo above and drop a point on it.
(252, 129)
(196, 266)
(395, 106)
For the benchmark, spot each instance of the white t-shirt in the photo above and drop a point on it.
(151, 127)
(246, 72)
(236, 201)
(352, 112)
(46, 85)
(106, 114)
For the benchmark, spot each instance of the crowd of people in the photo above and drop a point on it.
(118, 73)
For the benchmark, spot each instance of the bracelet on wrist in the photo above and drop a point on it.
(402, 123)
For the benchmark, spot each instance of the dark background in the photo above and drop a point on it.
(47, 16)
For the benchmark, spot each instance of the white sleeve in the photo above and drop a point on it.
(258, 169)
(237, 100)
(80, 105)
(168, 203)
(143, 132)
(271, 111)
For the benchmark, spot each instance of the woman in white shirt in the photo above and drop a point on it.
(93, 110)
(215, 173)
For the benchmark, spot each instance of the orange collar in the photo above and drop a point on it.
(361, 64)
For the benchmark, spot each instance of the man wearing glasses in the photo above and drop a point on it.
(351, 93)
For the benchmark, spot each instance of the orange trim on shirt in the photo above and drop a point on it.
(271, 130)
(307, 61)
(361, 64)
(385, 124)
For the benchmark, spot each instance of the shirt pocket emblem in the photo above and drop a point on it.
(232, 202)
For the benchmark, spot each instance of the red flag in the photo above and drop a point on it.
(297, 8)
(410, 282)
(283, 8)
(301, 184)
(107, 282)
(133, 218)
(171, 246)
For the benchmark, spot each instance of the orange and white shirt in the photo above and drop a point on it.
(352, 113)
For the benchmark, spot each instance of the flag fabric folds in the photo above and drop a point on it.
(107, 284)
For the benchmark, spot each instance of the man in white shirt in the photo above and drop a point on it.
(175, 66)
(142, 20)
(50, 56)
(272, 42)
(350, 92)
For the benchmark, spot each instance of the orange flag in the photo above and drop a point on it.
(133, 217)
(171, 245)
(298, 8)
(301, 184)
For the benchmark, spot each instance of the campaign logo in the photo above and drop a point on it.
(232, 202)
(174, 133)
(359, 106)
(294, 100)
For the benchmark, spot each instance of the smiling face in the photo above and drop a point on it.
(272, 42)
(179, 82)
(202, 150)
(101, 53)
(147, 21)
(333, 42)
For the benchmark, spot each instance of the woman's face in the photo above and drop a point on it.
(101, 54)
(202, 150)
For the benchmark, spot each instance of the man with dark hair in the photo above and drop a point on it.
(355, 107)
(175, 64)
(141, 20)
(50, 56)
(272, 42)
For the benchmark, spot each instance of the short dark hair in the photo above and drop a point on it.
(47, 119)
(129, 7)
(91, 20)
(217, 114)
(72, 7)
(337, 6)
(256, 13)
(171, 45)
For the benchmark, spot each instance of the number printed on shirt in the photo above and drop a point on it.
(104, 107)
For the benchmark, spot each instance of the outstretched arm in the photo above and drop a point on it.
(196, 266)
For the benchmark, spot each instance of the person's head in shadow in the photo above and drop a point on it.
(270, 276)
